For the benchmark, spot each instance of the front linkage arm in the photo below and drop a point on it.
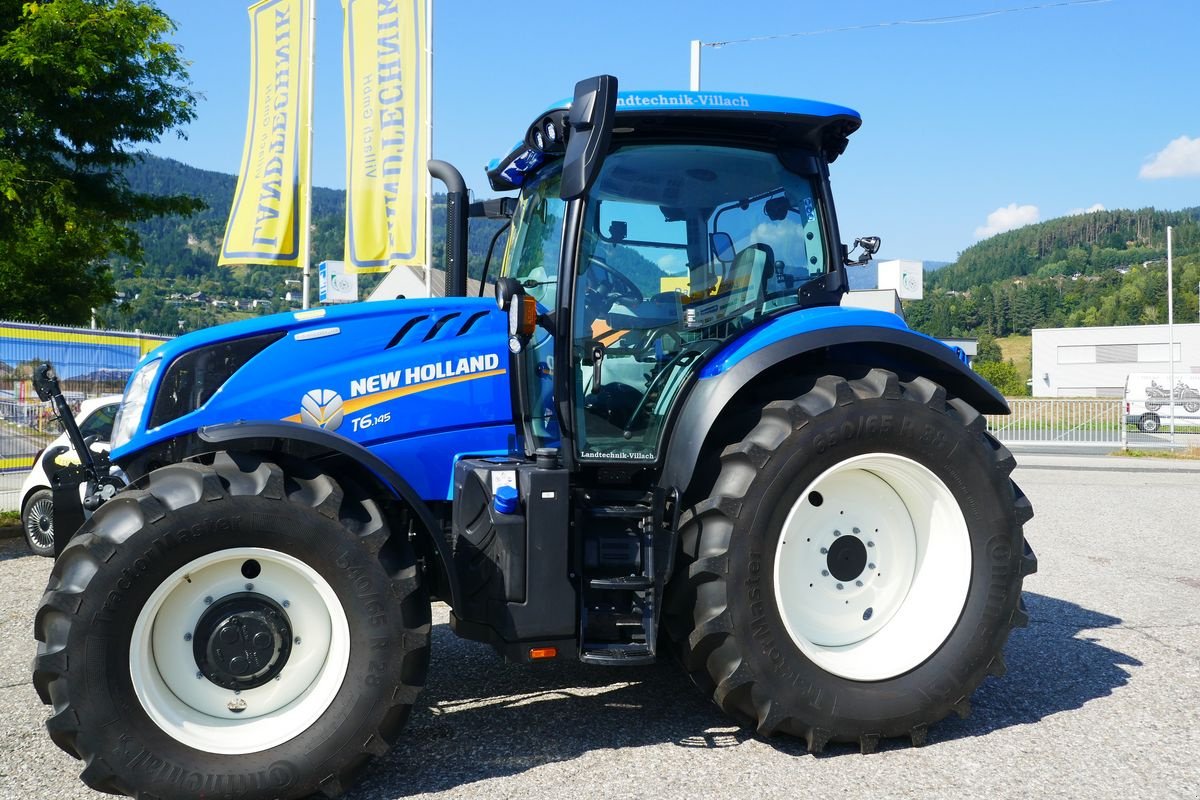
(92, 469)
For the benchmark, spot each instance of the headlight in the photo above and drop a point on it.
(191, 380)
(134, 403)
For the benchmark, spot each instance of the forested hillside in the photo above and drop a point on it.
(1102, 268)
(181, 256)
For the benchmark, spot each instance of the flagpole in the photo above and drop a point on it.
(307, 133)
(429, 145)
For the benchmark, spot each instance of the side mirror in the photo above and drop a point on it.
(722, 247)
(870, 246)
(591, 122)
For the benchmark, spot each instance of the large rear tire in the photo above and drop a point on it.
(233, 629)
(857, 566)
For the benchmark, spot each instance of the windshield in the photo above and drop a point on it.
(531, 257)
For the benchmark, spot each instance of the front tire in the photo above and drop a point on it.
(1149, 423)
(37, 521)
(232, 629)
(858, 565)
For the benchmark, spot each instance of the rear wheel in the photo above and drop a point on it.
(857, 567)
(1149, 423)
(233, 629)
(37, 520)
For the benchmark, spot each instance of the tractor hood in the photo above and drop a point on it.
(381, 374)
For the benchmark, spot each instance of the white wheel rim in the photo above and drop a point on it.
(201, 714)
(895, 613)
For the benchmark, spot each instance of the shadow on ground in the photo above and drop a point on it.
(13, 545)
(481, 718)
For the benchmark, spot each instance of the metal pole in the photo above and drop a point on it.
(307, 133)
(1171, 331)
(428, 89)
(694, 82)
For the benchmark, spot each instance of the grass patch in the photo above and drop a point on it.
(1190, 454)
(9, 518)
(1018, 350)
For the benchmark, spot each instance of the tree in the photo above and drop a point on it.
(1004, 376)
(82, 84)
(988, 349)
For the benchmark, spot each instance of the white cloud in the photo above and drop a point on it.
(1006, 218)
(1074, 212)
(672, 263)
(1179, 159)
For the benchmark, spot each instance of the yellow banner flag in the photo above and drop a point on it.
(385, 67)
(264, 223)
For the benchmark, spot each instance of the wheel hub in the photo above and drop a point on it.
(243, 641)
(847, 558)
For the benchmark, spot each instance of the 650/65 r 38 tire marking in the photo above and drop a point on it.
(243, 628)
(857, 566)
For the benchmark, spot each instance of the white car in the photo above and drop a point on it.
(95, 418)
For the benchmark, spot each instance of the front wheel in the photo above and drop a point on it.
(37, 521)
(1149, 423)
(234, 629)
(858, 565)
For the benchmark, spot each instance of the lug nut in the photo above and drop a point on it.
(297, 640)
(858, 583)
(199, 675)
(870, 544)
(187, 637)
(824, 573)
(837, 533)
(839, 586)
(208, 600)
(286, 603)
(856, 530)
(824, 551)
(249, 587)
(870, 566)
(867, 614)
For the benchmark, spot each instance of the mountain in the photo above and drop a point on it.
(1102, 268)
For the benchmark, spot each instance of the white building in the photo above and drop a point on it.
(1093, 362)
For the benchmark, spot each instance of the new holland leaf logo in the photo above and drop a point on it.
(322, 408)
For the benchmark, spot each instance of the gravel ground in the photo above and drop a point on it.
(1100, 700)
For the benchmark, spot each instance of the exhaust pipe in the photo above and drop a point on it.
(456, 226)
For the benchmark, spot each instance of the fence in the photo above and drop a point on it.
(1057, 421)
(89, 363)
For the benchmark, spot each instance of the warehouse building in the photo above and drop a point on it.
(1093, 362)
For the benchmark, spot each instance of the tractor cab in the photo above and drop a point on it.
(651, 229)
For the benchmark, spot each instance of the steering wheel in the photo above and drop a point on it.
(612, 285)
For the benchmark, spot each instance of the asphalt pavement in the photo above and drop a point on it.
(1100, 701)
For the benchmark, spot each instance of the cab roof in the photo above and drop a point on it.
(666, 115)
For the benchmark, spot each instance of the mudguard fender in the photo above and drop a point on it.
(306, 441)
(895, 348)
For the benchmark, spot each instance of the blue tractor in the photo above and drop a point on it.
(664, 434)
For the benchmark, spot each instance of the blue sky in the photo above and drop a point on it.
(969, 127)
